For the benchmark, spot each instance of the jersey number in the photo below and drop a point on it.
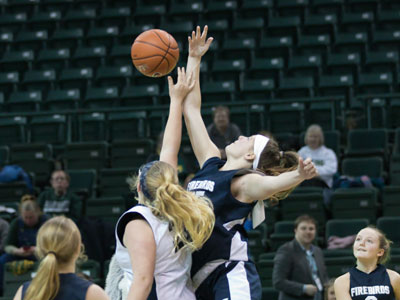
(371, 298)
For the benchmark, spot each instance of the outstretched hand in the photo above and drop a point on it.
(183, 86)
(198, 45)
(306, 169)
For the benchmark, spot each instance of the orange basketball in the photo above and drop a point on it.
(155, 53)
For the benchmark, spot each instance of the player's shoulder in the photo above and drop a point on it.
(343, 280)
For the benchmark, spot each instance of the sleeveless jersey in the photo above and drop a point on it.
(373, 286)
(72, 287)
(228, 240)
(172, 268)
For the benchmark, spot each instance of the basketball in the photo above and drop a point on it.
(155, 53)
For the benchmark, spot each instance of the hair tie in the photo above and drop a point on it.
(51, 252)
(142, 175)
(259, 144)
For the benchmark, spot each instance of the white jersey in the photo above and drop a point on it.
(172, 269)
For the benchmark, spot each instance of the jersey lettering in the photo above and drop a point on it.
(207, 185)
(368, 290)
(371, 298)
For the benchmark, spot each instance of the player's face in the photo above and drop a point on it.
(305, 233)
(242, 146)
(366, 245)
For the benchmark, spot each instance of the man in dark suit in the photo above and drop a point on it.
(299, 268)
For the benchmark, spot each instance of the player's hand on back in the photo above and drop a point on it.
(306, 169)
(198, 42)
(183, 86)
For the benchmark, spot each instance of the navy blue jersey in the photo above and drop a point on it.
(373, 286)
(228, 241)
(72, 287)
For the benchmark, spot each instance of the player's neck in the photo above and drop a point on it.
(366, 267)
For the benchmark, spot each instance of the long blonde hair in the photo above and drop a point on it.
(57, 243)
(191, 217)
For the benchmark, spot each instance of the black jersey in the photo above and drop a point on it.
(228, 240)
(373, 286)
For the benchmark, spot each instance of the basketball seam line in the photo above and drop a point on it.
(166, 52)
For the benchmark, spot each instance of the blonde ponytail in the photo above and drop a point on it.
(191, 217)
(57, 243)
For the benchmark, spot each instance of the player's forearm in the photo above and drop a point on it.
(193, 99)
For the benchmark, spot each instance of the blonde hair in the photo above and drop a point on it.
(191, 217)
(384, 243)
(57, 244)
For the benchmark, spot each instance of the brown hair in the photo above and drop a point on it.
(65, 173)
(274, 162)
(220, 108)
(304, 218)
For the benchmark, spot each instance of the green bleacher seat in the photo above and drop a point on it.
(45, 20)
(66, 38)
(23, 6)
(78, 78)
(83, 18)
(249, 118)
(36, 158)
(284, 26)
(328, 6)
(304, 203)
(286, 118)
(179, 30)
(86, 155)
(238, 49)
(113, 181)
(130, 154)
(13, 22)
(265, 268)
(322, 113)
(359, 166)
(336, 85)
(39, 80)
(246, 28)
(218, 91)
(388, 19)
(217, 10)
(6, 39)
(255, 244)
(114, 16)
(4, 155)
(344, 64)
(101, 97)
(51, 129)
(12, 282)
(363, 5)
(302, 66)
(390, 225)
(273, 47)
(24, 101)
(390, 200)
(60, 5)
(283, 232)
(375, 83)
(385, 40)
(337, 266)
(290, 87)
(28, 40)
(145, 14)
(17, 60)
(367, 142)
(325, 24)
(357, 21)
(314, 44)
(89, 56)
(395, 160)
(120, 55)
(217, 29)
(53, 59)
(114, 76)
(131, 31)
(343, 228)
(186, 11)
(13, 130)
(351, 42)
(91, 268)
(266, 68)
(257, 89)
(102, 36)
(292, 8)
(256, 8)
(62, 99)
(8, 82)
(127, 125)
(229, 69)
(92, 127)
(83, 181)
(385, 61)
(350, 203)
(140, 95)
(269, 293)
(11, 193)
(108, 208)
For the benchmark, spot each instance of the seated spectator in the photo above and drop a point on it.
(323, 158)
(222, 132)
(299, 267)
(59, 200)
(4, 227)
(330, 290)
(21, 238)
